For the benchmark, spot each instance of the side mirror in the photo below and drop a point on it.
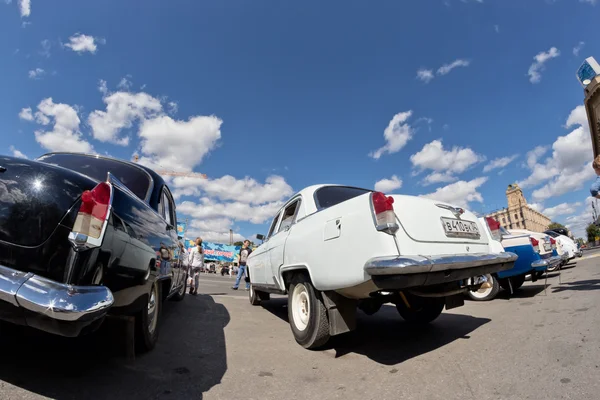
(260, 237)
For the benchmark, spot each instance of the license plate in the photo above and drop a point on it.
(460, 228)
(547, 247)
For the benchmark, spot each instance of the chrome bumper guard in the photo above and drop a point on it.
(549, 262)
(404, 265)
(52, 299)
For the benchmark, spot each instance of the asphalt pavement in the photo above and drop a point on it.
(537, 344)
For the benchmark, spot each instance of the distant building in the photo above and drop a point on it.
(519, 215)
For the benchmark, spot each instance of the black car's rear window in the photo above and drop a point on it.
(136, 179)
(328, 196)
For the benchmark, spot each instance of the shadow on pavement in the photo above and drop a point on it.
(189, 359)
(385, 338)
(524, 292)
(590, 284)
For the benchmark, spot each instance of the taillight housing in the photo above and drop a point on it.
(494, 228)
(553, 243)
(92, 217)
(383, 212)
(535, 243)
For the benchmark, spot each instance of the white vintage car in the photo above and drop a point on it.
(334, 248)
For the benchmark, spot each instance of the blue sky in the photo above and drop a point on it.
(268, 97)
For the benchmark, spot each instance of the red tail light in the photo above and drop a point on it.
(383, 210)
(553, 243)
(494, 228)
(93, 212)
(535, 243)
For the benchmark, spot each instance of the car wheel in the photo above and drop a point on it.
(253, 296)
(148, 320)
(488, 293)
(307, 314)
(421, 310)
(181, 293)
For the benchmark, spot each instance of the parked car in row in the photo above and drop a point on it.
(334, 248)
(566, 245)
(82, 237)
(531, 259)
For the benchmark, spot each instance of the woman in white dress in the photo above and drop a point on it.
(195, 264)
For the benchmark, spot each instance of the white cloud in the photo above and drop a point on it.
(538, 65)
(396, 135)
(209, 208)
(565, 183)
(569, 165)
(433, 156)
(425, 75)
(25, 8)
(124, 84)
(592, 2)
(36, 73)
(561, 209)
(46, 45)
(65, 134)
(122, 110)
(81, 43)
(459, 193)
(578, 48)
(500, 162)
(26, 114)
(446, 68)
(246, 190)
(102, 87)
(535, 154)
(17, 153)
(388, 185)
(178, 145)
(497, 28)
(438, 177)
(173, 107)
(537, 207)
(579, 222)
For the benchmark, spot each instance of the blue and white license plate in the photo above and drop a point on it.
(460, 228)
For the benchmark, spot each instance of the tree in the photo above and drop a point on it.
(555, 225)
(592, 232)
(238, 243)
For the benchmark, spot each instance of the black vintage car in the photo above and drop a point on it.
(83, 237)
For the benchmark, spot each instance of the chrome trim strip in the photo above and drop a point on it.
(55, 300)
(547, 262)
(401, 265)
(457, 211)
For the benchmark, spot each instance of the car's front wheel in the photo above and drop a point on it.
(486, 294)
(307, 313)
(420, 310)
(515, 281)
(147, 320)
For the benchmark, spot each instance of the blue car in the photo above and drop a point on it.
(529, 261)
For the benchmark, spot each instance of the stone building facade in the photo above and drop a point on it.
(519, 215)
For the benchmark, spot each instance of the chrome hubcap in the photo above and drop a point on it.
(300, 307)
(481, 293)
(152, 308)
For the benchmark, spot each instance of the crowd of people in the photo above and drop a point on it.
(194, 260)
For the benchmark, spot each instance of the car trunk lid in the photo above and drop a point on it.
(34, 198)
(427, 220)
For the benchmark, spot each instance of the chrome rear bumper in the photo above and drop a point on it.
(549, 262)
(404, 265)
(57, 301)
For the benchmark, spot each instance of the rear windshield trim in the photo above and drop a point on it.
(316, 198)
(130, 164)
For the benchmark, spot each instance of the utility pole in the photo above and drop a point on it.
(231, 237)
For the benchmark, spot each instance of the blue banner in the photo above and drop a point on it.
(181, 228)
(216, 251)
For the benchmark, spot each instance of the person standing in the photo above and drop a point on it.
(195, 263)
(245, 251)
